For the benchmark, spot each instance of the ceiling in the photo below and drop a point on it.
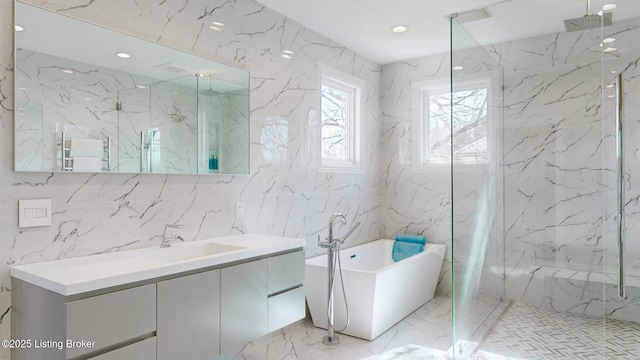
(365, 25)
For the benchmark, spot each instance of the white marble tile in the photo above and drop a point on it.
(108, 212)
(428, 328)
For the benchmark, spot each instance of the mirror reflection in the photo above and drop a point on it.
(89, 99)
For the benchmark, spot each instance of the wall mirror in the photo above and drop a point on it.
(89, 99)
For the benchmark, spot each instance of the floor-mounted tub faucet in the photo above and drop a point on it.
(167, 239)
(333, 246)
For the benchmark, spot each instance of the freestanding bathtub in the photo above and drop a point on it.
(380, 292)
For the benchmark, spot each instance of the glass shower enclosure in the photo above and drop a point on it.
(545, 211)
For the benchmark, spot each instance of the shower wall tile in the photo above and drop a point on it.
(558, 207)
(284, 193)
(559, 203)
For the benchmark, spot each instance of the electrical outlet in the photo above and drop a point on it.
(239, 209)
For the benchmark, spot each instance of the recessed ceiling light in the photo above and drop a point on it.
(19, 28)
(287, 56)
(288, 52)
(88, 99)
(216, 23)
(613, 71)
(610, 86)
(67, 71)
(215, 28)
(457, 68)
(123, 55)
(609, 40)
(610, 49)
(399, 29)
(608, 7)
(141, 86)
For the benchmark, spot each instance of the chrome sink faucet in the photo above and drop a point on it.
(166, 239)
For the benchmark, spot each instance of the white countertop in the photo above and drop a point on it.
(88, 273)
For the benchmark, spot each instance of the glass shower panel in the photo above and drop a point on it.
(173, 132)
(476, 146)
(133, 124)
(621, 89)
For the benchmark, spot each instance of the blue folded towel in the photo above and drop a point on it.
(407, 245)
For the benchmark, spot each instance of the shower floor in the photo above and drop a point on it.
(526, 332)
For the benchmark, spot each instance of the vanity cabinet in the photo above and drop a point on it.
(260, 297)
(189, 317)
(243, 305)
(194, 315)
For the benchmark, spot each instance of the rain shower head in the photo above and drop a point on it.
(591, 21)
(588, 21)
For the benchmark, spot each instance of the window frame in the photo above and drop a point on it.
(354, 129)
(421, 138)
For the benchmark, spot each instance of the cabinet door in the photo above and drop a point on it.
(243, 303)
(189, 317)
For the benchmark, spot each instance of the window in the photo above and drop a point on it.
(340, 107)
(471, 112)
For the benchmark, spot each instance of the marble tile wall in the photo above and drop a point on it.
(560, 170)
(284, 195)
(558, 163)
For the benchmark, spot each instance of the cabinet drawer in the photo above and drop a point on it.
(285, 308)
(143, 350)
(111, 318)
(285, 271)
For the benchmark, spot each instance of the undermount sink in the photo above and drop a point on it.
(188, 251)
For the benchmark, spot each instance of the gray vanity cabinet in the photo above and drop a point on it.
(243, 306)
(189, 317)
(196, 315)
(260, 297)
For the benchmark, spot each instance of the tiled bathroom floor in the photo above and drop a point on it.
(429, 327)
(522, 332)
(526, 332)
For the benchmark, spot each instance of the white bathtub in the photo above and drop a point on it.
(380, 292)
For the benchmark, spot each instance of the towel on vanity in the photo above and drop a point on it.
(86, 148)
(407, 245)
(87, 164)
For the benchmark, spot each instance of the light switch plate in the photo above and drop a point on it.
(32, 213)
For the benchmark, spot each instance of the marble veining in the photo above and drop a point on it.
(284, 195)
(556, 162)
